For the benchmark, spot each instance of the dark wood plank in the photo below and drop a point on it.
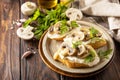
(33, 67)
(9, 42)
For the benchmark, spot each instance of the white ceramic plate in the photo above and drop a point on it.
(48, 47)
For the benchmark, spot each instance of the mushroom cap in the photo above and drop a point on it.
(82, 52)
(28, 8)
(75, 35)
(25, 33)
(54, 32)
(74, 14)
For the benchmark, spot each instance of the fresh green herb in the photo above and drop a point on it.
(35, 16)
(104, 54)
(93, 32)
(64, 28)
(91, 57)
(76, 44)
(95, 39)
(45, 20)
(74, 24)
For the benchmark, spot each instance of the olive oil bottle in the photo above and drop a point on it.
(47, 3)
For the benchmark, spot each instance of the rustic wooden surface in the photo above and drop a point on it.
(12, 67)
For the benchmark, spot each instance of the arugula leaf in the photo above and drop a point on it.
(76, 44)
(74, 24)
(104, 54)
(93, 32)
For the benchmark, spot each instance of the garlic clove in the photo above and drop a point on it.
(26, 54)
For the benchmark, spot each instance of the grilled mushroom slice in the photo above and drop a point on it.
(25, 33)
(55, 32)
(74, 14)
(86, 32)
(64, 50)
(82, 52)
(75, 35)
(74, 62)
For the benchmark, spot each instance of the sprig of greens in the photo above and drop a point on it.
(44, 21)
(91, 57)
(74, 24)
(104, 54)
(76, 44)
(64, 28)
(93, 32)
(35, 16)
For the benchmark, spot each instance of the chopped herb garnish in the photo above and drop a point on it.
(93, 32)
(64, 28)
(91, 57)
(74, 24)
(104, 54)
(76, 44)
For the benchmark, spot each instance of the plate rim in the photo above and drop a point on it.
(51, 66)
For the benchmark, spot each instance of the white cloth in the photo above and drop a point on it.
(104, 8)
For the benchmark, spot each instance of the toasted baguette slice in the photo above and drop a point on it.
(76, 62)
(72, 64)
(97, 44)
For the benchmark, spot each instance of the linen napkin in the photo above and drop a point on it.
(104, 8)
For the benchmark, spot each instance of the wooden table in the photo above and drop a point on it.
(12, 67)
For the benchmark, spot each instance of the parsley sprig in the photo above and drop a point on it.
(93, 32)
(76, 44)
(44, 21)
(104, 54)
(91, 57)
(74, 24)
